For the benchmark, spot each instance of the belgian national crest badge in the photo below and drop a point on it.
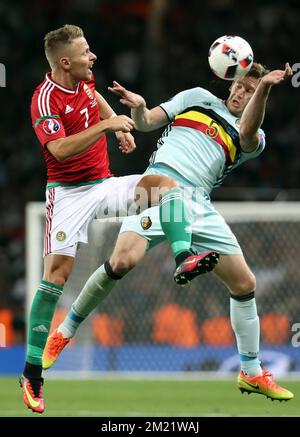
(146, 222)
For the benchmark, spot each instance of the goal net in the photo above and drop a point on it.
(149, 324)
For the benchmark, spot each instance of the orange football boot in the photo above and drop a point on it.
(55, 344)
(33, 398)
(263, 384)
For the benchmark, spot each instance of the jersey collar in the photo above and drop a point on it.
(66, 90)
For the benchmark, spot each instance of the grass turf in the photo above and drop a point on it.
(145, 398)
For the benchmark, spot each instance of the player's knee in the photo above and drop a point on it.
(167, 184)
(246, 285)
(123, 263)
(57, 278)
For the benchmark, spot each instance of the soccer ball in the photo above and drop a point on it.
(230, 57)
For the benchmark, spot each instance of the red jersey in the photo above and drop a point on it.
(58, 112)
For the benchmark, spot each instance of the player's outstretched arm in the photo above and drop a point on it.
(65, 148)
(125, 139)
(254, 113)
(145, 119)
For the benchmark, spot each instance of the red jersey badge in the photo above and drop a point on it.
(51, 126)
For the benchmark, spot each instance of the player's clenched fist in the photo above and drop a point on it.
(119, 123)
(126, 142)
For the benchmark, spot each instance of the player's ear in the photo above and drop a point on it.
(65, 63)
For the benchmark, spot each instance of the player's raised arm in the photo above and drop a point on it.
(254, 113)
(145, 119)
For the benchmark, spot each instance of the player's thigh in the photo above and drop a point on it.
(129, 249)
(116, 197)
(57, 268)
(150, 189)
(234, 272)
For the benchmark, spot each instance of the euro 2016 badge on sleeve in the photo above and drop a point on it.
(51, 126)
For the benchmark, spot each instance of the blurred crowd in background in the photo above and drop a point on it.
(156, 48)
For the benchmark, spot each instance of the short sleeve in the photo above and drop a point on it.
(184, 100)
(262, 141)
(260, 147)
(46, 120)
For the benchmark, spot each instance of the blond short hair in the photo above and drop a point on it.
(58, 37)
(257, 70)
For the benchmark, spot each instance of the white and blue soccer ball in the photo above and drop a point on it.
(230, 57)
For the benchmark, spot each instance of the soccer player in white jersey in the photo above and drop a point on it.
(205, 139)
(70, 119)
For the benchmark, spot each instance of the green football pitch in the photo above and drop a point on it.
(146, 398)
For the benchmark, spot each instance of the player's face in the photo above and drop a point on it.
(241, 92)
(81, 59)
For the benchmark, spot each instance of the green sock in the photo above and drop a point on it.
(174, 222)
(41, 314)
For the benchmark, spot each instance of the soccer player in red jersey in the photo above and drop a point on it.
(70, 119)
